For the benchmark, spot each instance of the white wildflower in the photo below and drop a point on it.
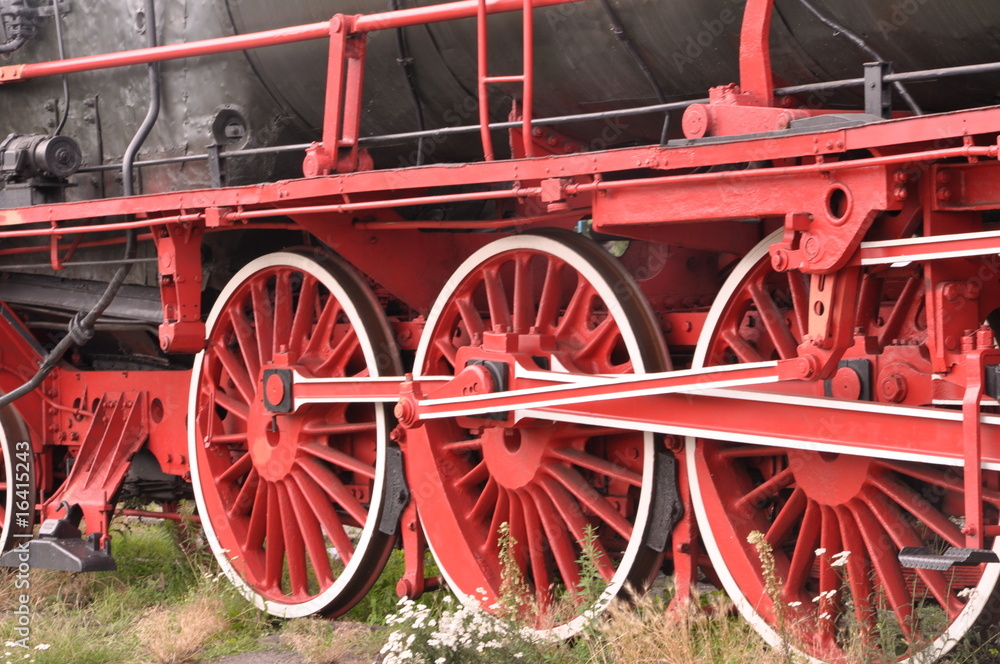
(820, 552)
(839, 559)
(794, 604)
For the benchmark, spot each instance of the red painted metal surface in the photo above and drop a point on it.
(840, 368)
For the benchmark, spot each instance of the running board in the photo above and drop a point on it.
(921, 557)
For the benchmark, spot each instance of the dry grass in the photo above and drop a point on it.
(646, 632)
(320, 641)
(176, 635)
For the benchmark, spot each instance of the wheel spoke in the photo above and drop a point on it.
(339, 358)
(540, 571)
(571, 515)
(598, 345)
(257, 526)
(921, 509)
(577, 314)
(766, 491)
(550, 296)
(859, 576)
(283, 306)
(524, 294)
(563, 547)
(830, 602)
(470, 316)
(501, 515)
(233, 405)
(236, 370)
(598, 465)
(319, 342)
(239, 468)
(774, 321)
(902, 535)
(305, 313)
(315, 428)
(496, 299)
(263, 318)
(798, 288)
(243, 504)
(332, 485)
(887, 571)
(312, 535)
(787, 517)
(487, 501)
(743, 350)
(474, 477)
(326, 515)
(589, 498)
(274, 545)
(804, 554)
(245, 340)
(338, 458)
(294, 545)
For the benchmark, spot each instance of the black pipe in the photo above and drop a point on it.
(65, 78)
(128, 178)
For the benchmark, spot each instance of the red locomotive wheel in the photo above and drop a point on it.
(17, 491)
(291, 502)
(557, 302)
(811, 507)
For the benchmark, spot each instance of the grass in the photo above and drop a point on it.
(168, 604)
(161, 606)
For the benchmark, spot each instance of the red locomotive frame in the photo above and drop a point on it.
(845, 363)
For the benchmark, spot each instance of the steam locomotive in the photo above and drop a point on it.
(705, 288)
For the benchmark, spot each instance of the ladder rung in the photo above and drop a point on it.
(515, 78)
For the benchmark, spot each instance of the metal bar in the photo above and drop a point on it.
(94, 228)
(902, 77)
(140, 56)
(513, 78)
(383, 204)
(904, 433)
(388, 139)
(483, 64)
(446, 12)
(546, 388)
(935, 247)
(528, 77)
(352, 390)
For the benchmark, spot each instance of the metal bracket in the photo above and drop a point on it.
(878, 95)
(397, 493)
(278, 390)
(45, 9)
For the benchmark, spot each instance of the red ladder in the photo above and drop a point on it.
(526, 79)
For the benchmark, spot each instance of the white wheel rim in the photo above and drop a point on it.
(324, 599)
(957, 629)
(567, 254)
